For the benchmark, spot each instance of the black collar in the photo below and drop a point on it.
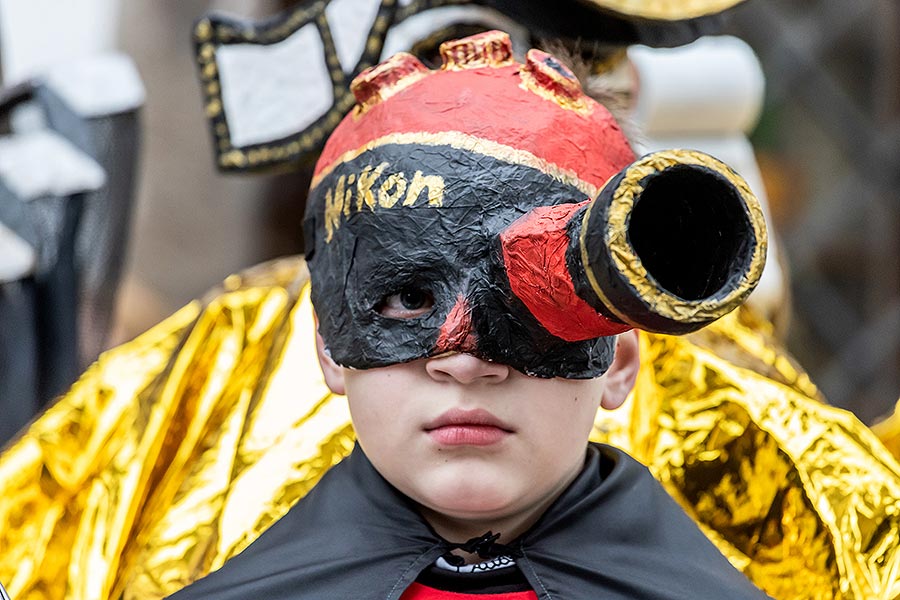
(614, 533)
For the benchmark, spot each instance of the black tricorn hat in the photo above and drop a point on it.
(658, 23)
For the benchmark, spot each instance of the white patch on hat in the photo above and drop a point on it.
(350, 22)
(272, 91)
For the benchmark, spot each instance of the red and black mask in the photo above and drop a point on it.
(474, 197)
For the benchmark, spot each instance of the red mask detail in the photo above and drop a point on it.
(534, 252)
(456, 333)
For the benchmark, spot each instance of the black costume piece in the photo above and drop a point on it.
(613, 534)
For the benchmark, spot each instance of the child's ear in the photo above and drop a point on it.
(334, 374)
(622, 372)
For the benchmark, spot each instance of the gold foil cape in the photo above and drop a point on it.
(800, 495)
(888, 430)
(175, 451)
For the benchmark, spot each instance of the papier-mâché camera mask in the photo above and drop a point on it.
(491, 207)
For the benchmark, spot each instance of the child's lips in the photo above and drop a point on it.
(459, 427)
(468, 435)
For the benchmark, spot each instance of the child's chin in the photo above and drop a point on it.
(473, 498)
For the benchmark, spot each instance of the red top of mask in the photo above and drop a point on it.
(536, 112)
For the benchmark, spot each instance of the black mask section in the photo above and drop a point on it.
(426, 218)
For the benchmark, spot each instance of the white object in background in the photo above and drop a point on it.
(707, 96)
(271, 91)
(35, 34)
(97, 86)
(350, 22)
(17, 258)
(38, 164)
(714, 85)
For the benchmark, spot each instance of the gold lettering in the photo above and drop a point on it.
(364, 185)
(334, 206)
(350, 179)
(339, 198)
(435, 185)
(386, 197)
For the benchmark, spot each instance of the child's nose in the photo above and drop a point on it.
(465, 369)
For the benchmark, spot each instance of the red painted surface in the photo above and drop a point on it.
(418, 591)
(491, 103)
(534, 252)
(456, 333)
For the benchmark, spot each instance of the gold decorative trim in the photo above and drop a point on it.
(595, 285)
(214, 31)
(377, 84)
(628, 263)
(469, 143)
(487, 49)
(539, 78)
(665, 10)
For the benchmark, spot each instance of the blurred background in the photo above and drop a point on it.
(828, 144)
(829, 147)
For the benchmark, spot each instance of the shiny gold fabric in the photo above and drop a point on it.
(888, 431)
(175, 451)
(800, 495)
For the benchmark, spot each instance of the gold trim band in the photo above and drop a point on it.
(592, 279)
(469, 143)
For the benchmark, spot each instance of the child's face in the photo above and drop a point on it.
(475, 441)
(420, 423)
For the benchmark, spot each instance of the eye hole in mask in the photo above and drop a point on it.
(408, 303)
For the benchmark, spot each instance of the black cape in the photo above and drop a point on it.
(614, 534)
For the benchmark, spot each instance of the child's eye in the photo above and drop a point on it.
(408, 303)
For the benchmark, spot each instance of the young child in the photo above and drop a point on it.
(473, 305)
